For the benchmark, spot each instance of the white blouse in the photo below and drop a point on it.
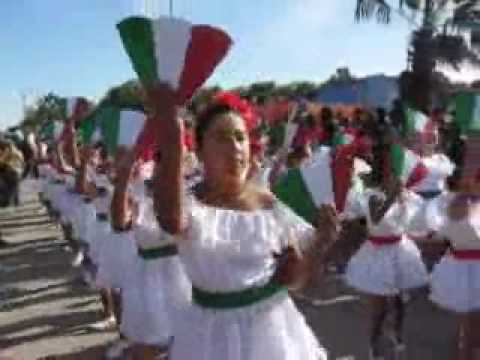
(148, 234)
(463, 234)
(439, 168)
(406, 215)
(227, 250)
(102, 203)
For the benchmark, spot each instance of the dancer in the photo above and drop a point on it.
(455, 281)
(227, 232)
(388, 263)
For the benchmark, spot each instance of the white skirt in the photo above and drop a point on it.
(99, 232)
(117, 259)
(68, 203)
(136, 323)
(43, 187)
(385, 270)
(271, 329)
(84, 219)
(55, 190)
(150, 305)
(47, 190)
(455, 284)
(168, 275)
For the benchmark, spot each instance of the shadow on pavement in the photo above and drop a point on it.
(62, 325)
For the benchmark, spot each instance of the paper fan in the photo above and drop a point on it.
(174, 51)
(120, 127)
(306, 188)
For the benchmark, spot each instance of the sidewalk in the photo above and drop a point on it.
(43, 310)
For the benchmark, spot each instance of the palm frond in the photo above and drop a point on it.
(367, 8)
(454, 50)
(466, 11)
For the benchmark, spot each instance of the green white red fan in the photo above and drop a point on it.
(174, 51)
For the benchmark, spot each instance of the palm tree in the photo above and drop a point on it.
(437, 40)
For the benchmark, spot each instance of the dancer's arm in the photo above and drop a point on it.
(121, 207)
(168, 182)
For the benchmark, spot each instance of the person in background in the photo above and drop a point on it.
(455, 279)
(11, 168)
(388, 264)
(397, 116)
(329, 127)
(440, 168)
(26, 147)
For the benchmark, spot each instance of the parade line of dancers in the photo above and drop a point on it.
(194, 256)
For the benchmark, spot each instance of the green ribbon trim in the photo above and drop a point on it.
(156, 253)
(235, 299)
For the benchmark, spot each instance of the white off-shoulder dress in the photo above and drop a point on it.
(389, 261)
(160, 288)
(237, 313)
(455, 280)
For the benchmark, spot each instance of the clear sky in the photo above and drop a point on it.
(71, 47)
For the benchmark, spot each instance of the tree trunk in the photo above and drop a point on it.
(417, 85)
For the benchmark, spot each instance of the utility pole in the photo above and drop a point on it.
(170, 7)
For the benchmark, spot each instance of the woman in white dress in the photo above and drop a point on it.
(117, 253)
(439, 166)
(388, 263)
(455, 280)
(227, 231)
(155, 287)
(163, 287)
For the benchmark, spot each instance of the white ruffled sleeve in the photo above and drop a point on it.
(354, 206)
(445, 165)
(192, 218)
(436, 212)
(148, 233)
(293, 229)
(416, 221)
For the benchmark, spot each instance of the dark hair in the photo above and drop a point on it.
(326, 114)
(297, 154)
(307, 119)
(102, 148)
(205, 120)
(378, 163)
(299, 151)
(381, 115)
(454, 179)
(157, 155)
(148, 184)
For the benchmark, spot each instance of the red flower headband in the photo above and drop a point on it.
(242, 106)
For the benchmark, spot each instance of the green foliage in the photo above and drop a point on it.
(435, 41)
(127, 95)
(46, 108)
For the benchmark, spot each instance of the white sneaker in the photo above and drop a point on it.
(163, 356)
(107, 324)
(78, 260)
(399, 348)
(117, 349)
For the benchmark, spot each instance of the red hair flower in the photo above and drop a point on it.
(242, 106)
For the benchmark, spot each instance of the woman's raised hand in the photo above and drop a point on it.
(162, 99)
(124, 167)
(328, 224)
